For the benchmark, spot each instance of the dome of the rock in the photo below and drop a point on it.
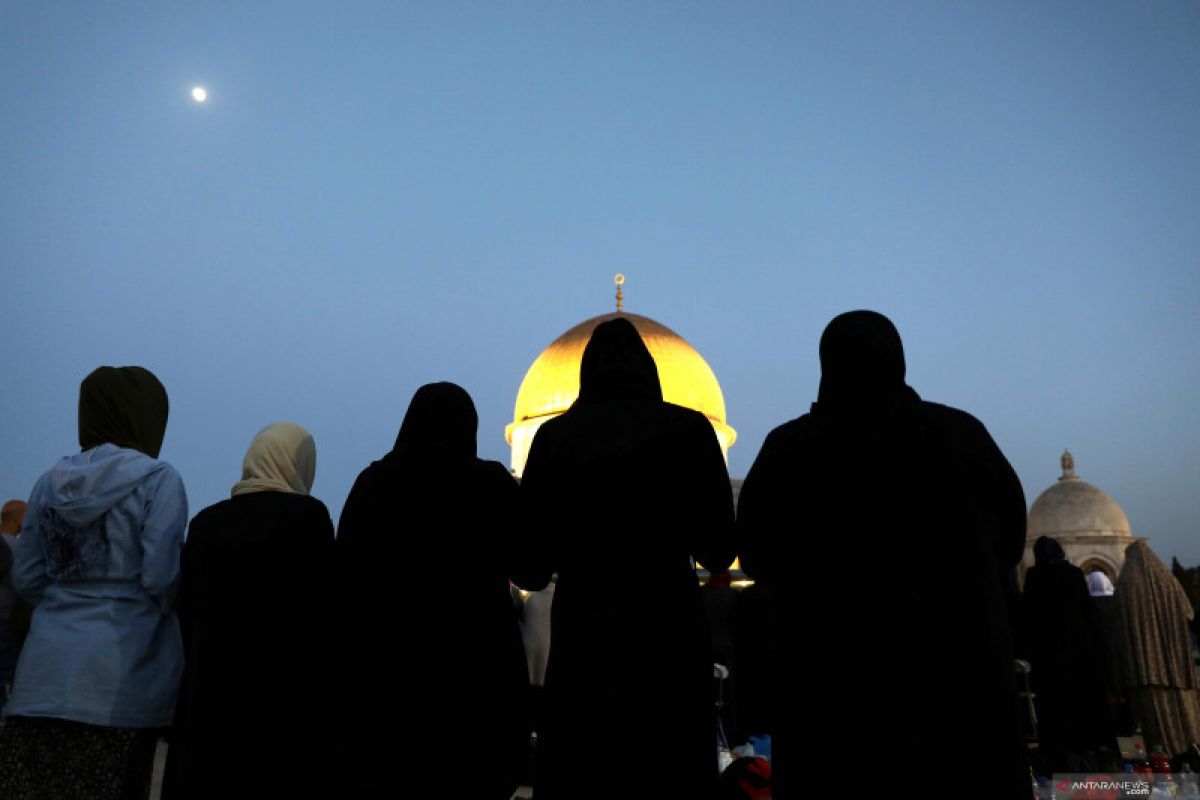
(552, 382)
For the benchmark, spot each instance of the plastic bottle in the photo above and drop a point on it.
(1189, 783)
(1163, 789)
(762, 745)
(1139, 757)
(1134, 773)
(1160, 773)
(1160, 761)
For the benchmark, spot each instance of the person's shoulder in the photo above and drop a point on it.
(373, 470)
(165, 467)
(792, 432)
(294, 502)
(684, 415)
(686, 425)
(314, 503)
(950, 416)
(551, 433)
(215, 511)
(160, 475)
(41, 487)
(556, 425)
(208, 519)
(494, 471)
(370, 477)
(965, 433)
(315, 516)
(297, 506)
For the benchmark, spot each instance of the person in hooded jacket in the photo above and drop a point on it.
(255, 604)
(624, 478)
(877, 489)
(435, 673)
(98, 557)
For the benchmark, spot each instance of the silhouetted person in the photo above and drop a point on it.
(98, 558)
(11, 517)
(623, 478)
(1100, 589)
(1154, 614)
(255, 607)
(1061, 641)
(884, 527)
(437, 686)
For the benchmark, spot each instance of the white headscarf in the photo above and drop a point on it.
(1099, 585)
(282, 458)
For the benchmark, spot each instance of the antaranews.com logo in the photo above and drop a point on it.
(1112, 786)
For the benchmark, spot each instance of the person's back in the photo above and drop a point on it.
(905, 515)
(1116, 680)
(255, 606)
(1154, 613)
(434, 660)
(1061, 641)
(98, 558)
(624, 480)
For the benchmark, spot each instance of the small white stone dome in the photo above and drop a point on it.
(1072, 506)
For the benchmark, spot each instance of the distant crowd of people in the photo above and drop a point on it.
(877, 644)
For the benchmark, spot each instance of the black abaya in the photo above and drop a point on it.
(884, 527)
(1061, 641)
(255, 607)
(435, 679)
(624, 490)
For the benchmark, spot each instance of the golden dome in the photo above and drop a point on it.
(552, 382)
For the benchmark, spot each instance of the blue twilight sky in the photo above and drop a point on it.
(379, 195)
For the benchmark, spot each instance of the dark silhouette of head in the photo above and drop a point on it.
(617, 364)
(862, 361)
(1047, 552)
(125, 406)
(441, 424)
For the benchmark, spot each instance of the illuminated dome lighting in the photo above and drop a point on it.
(552, 382)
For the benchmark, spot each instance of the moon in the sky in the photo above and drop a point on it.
(199, 94)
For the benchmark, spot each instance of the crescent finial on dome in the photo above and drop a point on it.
(1068, 467)
(619, 280)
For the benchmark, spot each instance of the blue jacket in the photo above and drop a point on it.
(99, 558)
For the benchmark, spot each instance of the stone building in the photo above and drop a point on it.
(1090, 526)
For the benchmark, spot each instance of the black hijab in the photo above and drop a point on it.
(440, 424)
(862, 364)
(1047, 552)
(125, 406)
(616, 364)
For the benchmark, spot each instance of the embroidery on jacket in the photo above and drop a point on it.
(72, 552)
